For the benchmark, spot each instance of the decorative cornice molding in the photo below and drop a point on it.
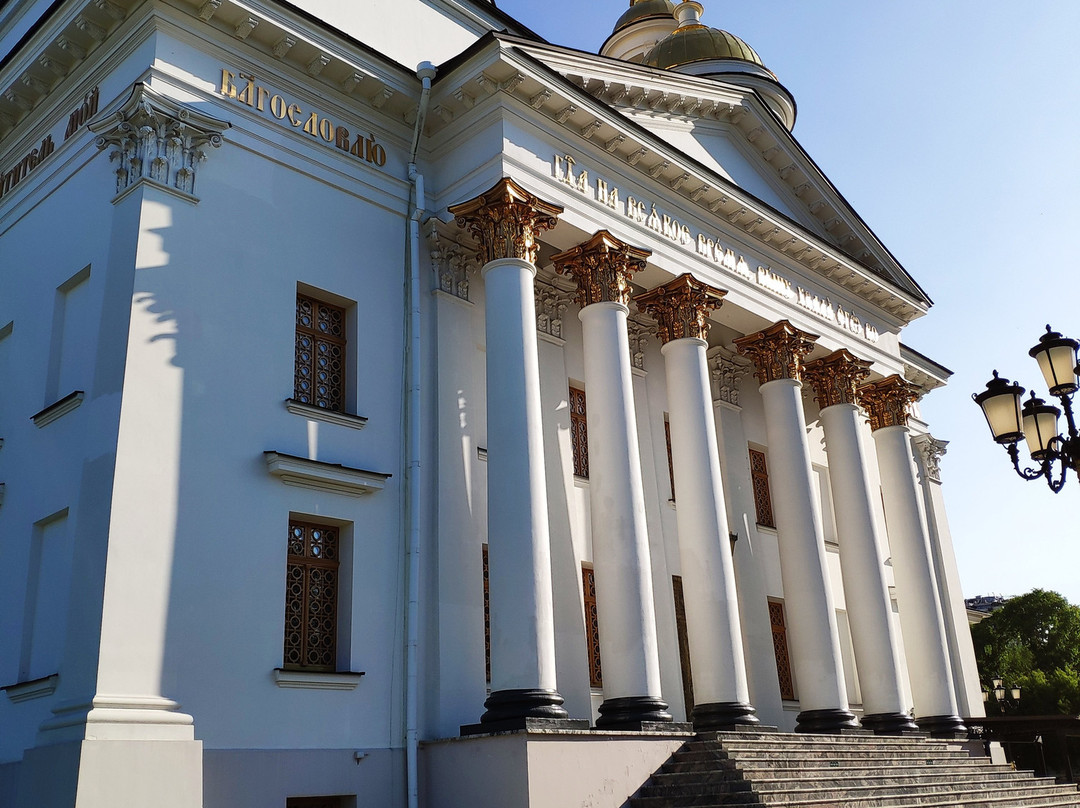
(320, 476)
(157, 139)
(506, 219)
(836, 377)
(602, 268)
(777, 352)
(726, 370)
(888, 401)
(681, 307)
(930, 452)
(638, 334)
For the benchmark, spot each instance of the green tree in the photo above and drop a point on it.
(1033, 642)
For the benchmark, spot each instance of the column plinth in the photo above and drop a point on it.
(862, 559)
(778, 353)
(602, 268)
(921, 619)
(506, 220)
(721, 692)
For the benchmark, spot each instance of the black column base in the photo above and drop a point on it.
(942, 726)
(503, 705)
(890, 723)
(722, 715)
(630, 712)
(828, 721)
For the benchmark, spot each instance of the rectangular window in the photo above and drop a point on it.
(320, 802)
(579, 433)
(592, 627)
(48, 591)
(670, 463)
(74, 337)
(487, 616)
(319, 374)
(780, 647)
(759, 475)
(684, 645)
(311, 596)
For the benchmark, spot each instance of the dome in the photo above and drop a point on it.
(694, 42)
(643, 10)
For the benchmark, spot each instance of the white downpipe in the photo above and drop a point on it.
(425, 71)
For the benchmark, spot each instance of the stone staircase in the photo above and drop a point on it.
(840, 771)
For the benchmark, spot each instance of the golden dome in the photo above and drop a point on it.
(694, 42)
(645, 9)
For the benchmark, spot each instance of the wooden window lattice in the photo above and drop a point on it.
(319, 377)
(592, 628)
(311, 594)
(487, 616)
(780, 647)
(759, 475)
(579, 434)
(684, 645)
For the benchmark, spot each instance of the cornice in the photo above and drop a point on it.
(496, 72)
(633, 87)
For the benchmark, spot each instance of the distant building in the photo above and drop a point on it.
(347, 404)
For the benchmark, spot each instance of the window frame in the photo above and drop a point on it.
(347, 387)
(762, 489)
(579, 429)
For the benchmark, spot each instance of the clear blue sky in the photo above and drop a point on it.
(952, 128)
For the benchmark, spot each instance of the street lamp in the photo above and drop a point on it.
(1036, 421)
(1000, 690)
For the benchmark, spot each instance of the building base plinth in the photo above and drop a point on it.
(632, 712)
(719, 716)
(542, 769)
(826, 721)
(525, 723)
(890, 724)
(109, 773)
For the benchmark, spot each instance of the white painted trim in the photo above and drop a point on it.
(327, 416)
(35, 689)
(57, 409)
(332, 477)
(317, 680)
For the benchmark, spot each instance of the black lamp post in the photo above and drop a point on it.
(999, 695)
(1036, 421)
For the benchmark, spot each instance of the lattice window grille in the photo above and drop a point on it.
(759, 475)
(487, 616)
(780, 648)
(311, 595)
(670, 461)
(319, 377)
(579, 435)
(592, 628)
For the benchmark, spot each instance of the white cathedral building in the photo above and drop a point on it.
(401, 410)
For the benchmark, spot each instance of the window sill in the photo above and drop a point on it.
(326, 416)
(332, 477)
(34, 689)
(58, 408)
(317, 680)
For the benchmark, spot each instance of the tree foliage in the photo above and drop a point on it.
(1033, 642)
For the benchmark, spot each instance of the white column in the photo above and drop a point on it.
(815, 643)
(962, 656)
(862, 556)
(624, 591)
(921, 622)
(505, 220)
(721, 692)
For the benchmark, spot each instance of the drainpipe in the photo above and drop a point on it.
(425, 71)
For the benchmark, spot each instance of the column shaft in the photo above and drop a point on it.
(712, 613)
(632, 692)
(814, 639)
(925, 642)
(863, 565)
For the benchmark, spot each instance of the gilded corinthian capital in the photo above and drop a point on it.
(602, 267)
(777, 352)
(506, 220)
(681, 307)
(887, 401)
(836, 377)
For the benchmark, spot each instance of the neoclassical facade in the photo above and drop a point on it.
(428, 414)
